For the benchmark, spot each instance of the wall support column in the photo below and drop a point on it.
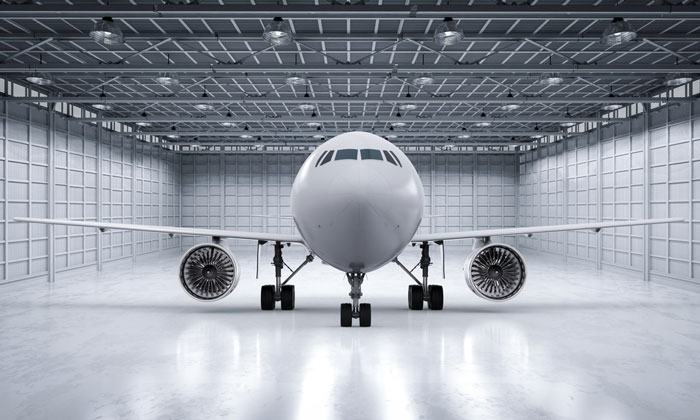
(599, 165)
(99, 195)
(52, 196)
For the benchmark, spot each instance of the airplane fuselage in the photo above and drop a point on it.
(357, 201)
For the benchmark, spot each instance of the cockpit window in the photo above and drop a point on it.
(389, 158)
(370, 154)
(321, 157)
(396, 158)
(328, 158)
(346, 154)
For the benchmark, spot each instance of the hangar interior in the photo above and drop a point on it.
(201, 115)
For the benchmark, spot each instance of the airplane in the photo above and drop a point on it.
(357, 203)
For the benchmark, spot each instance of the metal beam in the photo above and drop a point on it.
(344, 12)
(331, 133)
(345, 100)
(29, 48)
(406, 70)
(305, 119)
(673, 53)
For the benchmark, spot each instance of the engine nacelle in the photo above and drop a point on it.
(495, 272)
(209, 272)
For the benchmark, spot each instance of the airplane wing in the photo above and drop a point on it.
(255, 236)
(487, 233)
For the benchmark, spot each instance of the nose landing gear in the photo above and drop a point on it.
(348, 311)
(421, 292)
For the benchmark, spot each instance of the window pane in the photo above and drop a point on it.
(389, 158)
(396, 158)
(346, 154)
(321, 157)
(328, 158)
(370, 154)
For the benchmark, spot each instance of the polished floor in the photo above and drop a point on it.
(129, 343)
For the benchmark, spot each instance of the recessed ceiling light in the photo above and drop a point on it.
(678, 79)
(618, 32)
(447, 33)
(106, 31)
(278, 32)
(407, 107)
(423, 80)
(307, 107)
(482, 124)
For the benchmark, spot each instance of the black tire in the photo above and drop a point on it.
(365, 314)
(287, 298)
(267, 297)
(345, 315)
(415, 297)
(436, 297)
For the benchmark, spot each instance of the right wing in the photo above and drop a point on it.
(254, 236)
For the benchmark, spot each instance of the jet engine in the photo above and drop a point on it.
(495, 272)
(208, 272)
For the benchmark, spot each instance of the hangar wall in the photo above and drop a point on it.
(55, 167)
(620, 172)
(461, 191)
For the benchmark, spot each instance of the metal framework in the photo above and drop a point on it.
(359, 61)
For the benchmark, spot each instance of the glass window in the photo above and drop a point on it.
(370, 154)
(328, 158)
(396, 158)
(389, 158)
(346, 154)
(321, 157)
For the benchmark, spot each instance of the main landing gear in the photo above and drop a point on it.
(280, 291)
(348, 311)
(421, 292)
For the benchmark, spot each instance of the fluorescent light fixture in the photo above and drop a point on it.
(398, 124)
(423, 80)
(482, 124)
(295, 80)
(106, 31)
(313, 124)
(618, 32)
(447, 33)
(509, 107)
(278, 32)
(550, 79)
(678, 79)
(407, 107)
(168, 79)
(307, 107)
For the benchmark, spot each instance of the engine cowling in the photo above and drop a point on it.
(208, 272)
(495, 272)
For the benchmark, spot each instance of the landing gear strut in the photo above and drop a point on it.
(423, 291)
(280, 291)
(348, 311)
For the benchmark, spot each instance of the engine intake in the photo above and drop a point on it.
(208, 272)
(495, 272)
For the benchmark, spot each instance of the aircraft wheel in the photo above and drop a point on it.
(436, 297)
(365, 314)
(267, 297)
(287, 298)
(415, 297)
(345, 315)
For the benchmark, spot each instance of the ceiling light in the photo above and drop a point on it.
(313, 124)
(448, 146)
(447, 33)
(618, 32)
(407, 107)
(144, 124)
(611, 107)
(482, 124)
(172, 136)
(678, 79)
(278, 32)
(204, 106)
(168, 79)
(568, 124)
(106, 31)
(295, 80)
(423, 80)
(102, 106)
(246, 136)
(398, 124)
(42, 79)
(509, 107)
(391, 136)
(464, 136)
(319, 136)
(228, 124)
(307, 107)
(551, 79)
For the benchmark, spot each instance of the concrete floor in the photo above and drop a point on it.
(129, 343)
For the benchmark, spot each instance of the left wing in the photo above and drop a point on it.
(487, 233)
(255, 236)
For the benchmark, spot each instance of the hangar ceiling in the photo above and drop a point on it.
(519, 71)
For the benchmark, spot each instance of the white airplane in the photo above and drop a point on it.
(357, 202)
